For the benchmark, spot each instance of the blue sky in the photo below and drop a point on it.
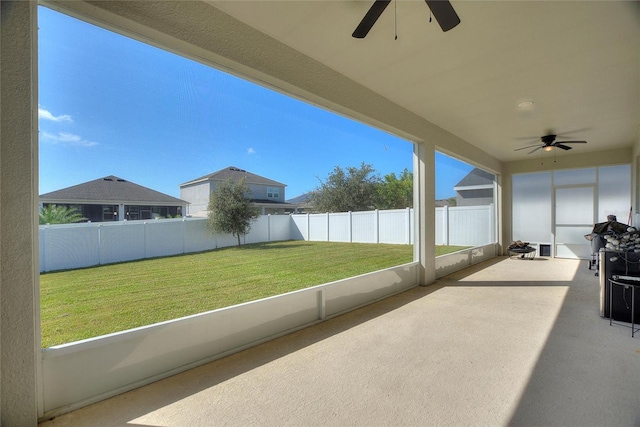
(109, 105)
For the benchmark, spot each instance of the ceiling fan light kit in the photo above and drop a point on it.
(549, 143)
(525, 104)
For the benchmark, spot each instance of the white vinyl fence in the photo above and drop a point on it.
(465, 225)
(71, 246)
(390, 226)
(84, 245)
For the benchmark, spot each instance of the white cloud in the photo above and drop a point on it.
(251, 151)
(47, 115)
(68, 139)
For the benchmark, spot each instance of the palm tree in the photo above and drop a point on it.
(53, 214)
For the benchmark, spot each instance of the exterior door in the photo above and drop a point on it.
(574, 217)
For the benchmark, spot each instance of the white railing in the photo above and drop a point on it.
(88, 244)
(84, 372)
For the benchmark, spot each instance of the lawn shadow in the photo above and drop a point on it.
(285, 244)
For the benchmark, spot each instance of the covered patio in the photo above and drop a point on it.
(504, 342)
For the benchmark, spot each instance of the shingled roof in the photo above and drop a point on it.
(303, 198)
(110, 189)
(235, 174)
(476, 177)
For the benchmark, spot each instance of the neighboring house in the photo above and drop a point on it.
(302, 203)
(266, 194)
(115, 199)
(440, 203)
(475, 189)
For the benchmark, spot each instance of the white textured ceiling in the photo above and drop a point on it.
(578, 61)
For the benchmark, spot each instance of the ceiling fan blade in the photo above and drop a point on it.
(528, 146)
(569, 133)
(535, 149)
(444, 13)
(370, 18)
(564, 147)
(572, 142)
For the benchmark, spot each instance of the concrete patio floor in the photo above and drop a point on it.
(505, 342)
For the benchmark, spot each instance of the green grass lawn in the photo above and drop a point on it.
(84, 303)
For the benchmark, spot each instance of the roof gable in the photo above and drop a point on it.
(303, 198)
(110, 189)
(476, 177)
(235, 174)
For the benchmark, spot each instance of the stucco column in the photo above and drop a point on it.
(500, 200)
(19, 307)
(424, 196)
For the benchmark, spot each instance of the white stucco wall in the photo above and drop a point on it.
(260, 192)
(19, 309)
(197, 195)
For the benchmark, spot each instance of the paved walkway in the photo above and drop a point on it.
(507, 342)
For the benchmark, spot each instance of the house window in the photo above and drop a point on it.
(145, 212)
(273, 193)
(133, 212)
(109, 213)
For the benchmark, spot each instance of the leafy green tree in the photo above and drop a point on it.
(230, 209)
(396, 192)
(350, 189)
(52, 214)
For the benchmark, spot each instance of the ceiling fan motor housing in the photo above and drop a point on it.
(548, 139)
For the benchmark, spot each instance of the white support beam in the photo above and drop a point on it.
(424, 197)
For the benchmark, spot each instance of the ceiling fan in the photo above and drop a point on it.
(549, 143)
(441, 10)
